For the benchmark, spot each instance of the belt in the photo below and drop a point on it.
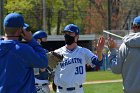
(70, 88)
(41, 84)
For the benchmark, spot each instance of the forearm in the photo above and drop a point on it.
(112, 54)
(99, 54)
(114, 61)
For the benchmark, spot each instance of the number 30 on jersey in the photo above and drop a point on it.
(79, 70)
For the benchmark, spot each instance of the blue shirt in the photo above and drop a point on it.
(16, 65)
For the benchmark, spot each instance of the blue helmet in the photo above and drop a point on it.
(72, 28)
(40, 34)
(136, 20)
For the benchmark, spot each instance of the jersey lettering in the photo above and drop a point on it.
(70, 61)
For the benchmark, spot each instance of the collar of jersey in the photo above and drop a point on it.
(68, 50)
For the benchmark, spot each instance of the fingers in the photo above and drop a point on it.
(27, 35)
(100, 44)
(102, 40)
(111, 43)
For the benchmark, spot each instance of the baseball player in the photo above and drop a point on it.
(70, 72)
(17, 59)
(41, 74)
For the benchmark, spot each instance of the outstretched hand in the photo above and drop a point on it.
(111, 43)
(100, 44)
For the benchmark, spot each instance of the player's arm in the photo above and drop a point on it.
(116, 58)
(95, 61)
(34, 55)
(91, 58)
(99, 47)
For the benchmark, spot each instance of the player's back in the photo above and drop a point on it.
(15, 74)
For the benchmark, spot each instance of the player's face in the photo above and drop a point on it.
(44, 39)
(136, 28)
(70, 38)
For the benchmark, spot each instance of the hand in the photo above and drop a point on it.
(100, 44)
(42, 69)
(27, 35)
(111, 43)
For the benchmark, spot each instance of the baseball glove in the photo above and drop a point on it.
(54, 58)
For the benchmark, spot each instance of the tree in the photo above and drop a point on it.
(90, 15)
(96, 21)
(26, 9)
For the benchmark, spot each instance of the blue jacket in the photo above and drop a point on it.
(16, 65)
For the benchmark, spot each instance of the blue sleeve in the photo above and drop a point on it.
(117, 58)
(96, 62)
(36, 46)
(115, 65)
(91, 58)
(34, 55)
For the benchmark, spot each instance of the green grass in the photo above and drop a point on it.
(102, 75)
(104, 88)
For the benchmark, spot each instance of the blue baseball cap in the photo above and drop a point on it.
(136, 21)
(40, 34)
(72, 28)
(14, 20)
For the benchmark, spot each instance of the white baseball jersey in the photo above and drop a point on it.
(71, 71)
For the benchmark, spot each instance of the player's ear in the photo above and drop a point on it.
(18, 31)
(76, 38)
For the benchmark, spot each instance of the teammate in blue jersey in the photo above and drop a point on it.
(70, 72)
(41, 74)
(17, 60)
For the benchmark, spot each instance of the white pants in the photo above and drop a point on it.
(40, 88)
(77, 90)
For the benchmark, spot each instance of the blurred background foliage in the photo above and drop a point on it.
(90, 15)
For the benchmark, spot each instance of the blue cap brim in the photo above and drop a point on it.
(25, 26)
(67, 31)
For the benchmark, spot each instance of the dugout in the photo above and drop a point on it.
(57, 41)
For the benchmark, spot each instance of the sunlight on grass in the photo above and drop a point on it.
(102, 75)
(104, 88)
